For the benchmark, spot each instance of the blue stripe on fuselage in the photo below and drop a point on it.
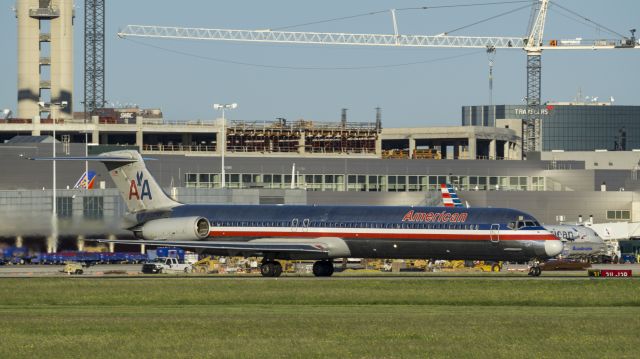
(483, 217)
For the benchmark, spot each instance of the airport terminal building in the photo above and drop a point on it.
(306, 162)
(567, 126)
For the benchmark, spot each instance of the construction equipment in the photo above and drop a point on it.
(206, 265)
(533, 45)
(474, 266)
(72, 268)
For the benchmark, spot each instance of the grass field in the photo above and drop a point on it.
(352, 318)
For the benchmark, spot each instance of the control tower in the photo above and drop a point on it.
(45, 56)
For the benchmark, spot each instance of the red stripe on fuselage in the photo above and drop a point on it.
(415, 236)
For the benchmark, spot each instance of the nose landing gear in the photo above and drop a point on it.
(534, 269)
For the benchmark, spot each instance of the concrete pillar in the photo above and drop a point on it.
(143, 249)
(62, 57)
(139, 134)
(412, 147)
(378, 146)
(28, 60)
(507, 152)
(472, 147)
(219, 141)
(302, 142)
(19, 242)
(35, 121)
(95, 133)
(80, 243)
(456, 151)
(516, 151)
(492, 150)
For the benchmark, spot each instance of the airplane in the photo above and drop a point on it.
(321, 233)
(579, 242)
(86, 180)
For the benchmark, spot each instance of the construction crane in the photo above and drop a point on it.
(533, 45)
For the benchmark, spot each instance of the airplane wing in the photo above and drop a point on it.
(323, 247)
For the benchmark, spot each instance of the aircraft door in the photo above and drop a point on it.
(494, 233)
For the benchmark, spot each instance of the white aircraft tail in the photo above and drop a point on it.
(137, 187)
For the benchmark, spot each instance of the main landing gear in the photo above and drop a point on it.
(323, 268)
(271, 269)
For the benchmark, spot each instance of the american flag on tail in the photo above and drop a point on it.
(449, 196)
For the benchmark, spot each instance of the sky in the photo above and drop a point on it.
(415, 87)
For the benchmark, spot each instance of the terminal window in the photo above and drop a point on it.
(618, 214)
(64, 207)
(93, 207)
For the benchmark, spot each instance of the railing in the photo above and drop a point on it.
(159, 121)
(178, 148)
(300, 125)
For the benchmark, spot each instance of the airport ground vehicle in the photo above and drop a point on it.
(166, 265)
(206, 265)
(72, 268)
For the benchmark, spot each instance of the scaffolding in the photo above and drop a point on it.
(302, 136)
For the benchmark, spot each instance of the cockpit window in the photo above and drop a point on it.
(523, 224)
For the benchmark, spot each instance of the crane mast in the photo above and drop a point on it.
(532, 124)
(533, 45)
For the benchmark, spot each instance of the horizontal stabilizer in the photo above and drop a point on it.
(89, 158)
(243, 247)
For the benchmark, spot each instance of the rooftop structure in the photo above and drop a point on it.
(147, 130)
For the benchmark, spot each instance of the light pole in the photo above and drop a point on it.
(54, 212)
(228, 106)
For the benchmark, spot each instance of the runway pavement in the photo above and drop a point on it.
(134, 270)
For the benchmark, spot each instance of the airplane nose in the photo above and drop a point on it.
(553, 248)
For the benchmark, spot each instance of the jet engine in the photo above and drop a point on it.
(177, 229)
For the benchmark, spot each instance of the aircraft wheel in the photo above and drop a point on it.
(277, 269)
(537, 271)
(267, 269)
(323, 268)
(495, 267)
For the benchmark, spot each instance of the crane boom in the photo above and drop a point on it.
(336, 38)
(325, 38)
(533, 45)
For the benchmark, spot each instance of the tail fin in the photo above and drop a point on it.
(86, 180)
(138, 188)
(449, 196)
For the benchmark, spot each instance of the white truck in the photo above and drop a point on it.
(166, 265)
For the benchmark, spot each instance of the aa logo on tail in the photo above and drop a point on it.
(139, 187)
